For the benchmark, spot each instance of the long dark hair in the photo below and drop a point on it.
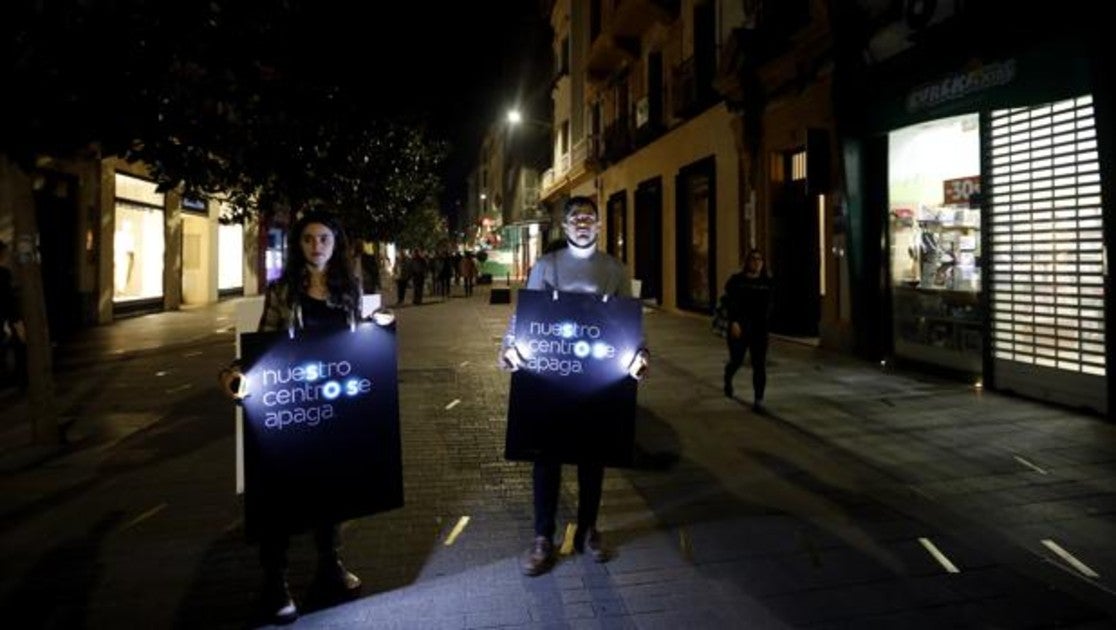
(340, 278)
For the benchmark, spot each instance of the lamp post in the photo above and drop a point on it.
(525, 152)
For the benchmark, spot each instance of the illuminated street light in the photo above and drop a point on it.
(514, 117)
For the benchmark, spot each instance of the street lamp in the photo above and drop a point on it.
(514, 117)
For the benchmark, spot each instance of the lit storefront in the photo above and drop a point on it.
(993, 225)
(230, 256)
(934, 241)
(138, 242)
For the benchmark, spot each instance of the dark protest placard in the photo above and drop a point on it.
(321, 439)
(573, 400)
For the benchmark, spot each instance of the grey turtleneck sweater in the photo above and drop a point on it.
(562, 270)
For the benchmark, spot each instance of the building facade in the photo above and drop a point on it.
(112, 245)
(705, 129)
(981, 169)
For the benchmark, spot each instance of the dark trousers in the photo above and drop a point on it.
(13, 364)
(468, 285)
(548, 483)
(400, 290)
(273, 548)
(753, 342)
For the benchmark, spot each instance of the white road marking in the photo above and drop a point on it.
(182, 387)
(939, 556)
(1069, 559)
(463, 364)
(1029, 465)
(143, 517)
(456, 402)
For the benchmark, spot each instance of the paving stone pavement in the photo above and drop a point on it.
(826, 511)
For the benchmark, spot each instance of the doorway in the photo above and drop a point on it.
(649, 239)
(796, 303)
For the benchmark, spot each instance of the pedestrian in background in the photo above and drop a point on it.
(578, 268)
(13, 338)
(401, 274)
(748, 298)
(317, 290)
(469, 272)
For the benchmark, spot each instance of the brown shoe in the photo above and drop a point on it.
(539, 558)
(592, 545)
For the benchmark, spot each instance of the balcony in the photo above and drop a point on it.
(683, 89)
(618, 140)
(633, 17)
(571, 168)
(610, 53)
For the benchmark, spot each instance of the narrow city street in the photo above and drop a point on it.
(863, 497)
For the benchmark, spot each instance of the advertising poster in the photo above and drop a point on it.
(573, 400)
(321, 435)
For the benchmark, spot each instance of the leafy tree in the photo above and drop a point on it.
(426, 229)
(218, 98)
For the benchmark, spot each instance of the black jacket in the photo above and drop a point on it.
(749, 300)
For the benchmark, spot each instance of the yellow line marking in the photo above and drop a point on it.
(567, 539)
(933, 550)
(1068, 557)
(143, 517)
(457, 529)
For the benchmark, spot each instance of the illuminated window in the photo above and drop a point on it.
(1048, 303)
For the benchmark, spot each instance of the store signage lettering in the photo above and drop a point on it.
(961, 189)
(960, 85)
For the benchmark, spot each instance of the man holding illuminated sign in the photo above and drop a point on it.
(288, 395)
(565, 348)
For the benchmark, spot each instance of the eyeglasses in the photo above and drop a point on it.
(581, 219)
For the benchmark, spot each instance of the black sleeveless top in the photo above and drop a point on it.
(316, 314)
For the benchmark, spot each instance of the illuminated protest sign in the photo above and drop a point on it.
(573, 400)
(321, 427)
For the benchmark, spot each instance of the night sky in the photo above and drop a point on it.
(459, 65)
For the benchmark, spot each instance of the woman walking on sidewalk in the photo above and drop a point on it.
(748, 298)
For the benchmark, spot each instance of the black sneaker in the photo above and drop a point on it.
(539, 558)
(335, 583)
(728, 389)
(276, 604)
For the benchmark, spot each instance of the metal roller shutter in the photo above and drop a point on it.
(1047, 247)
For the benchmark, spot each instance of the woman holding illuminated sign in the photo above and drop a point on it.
(318, 289)
(578, 268)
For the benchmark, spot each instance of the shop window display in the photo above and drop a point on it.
(934, 230)
(137, 252)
